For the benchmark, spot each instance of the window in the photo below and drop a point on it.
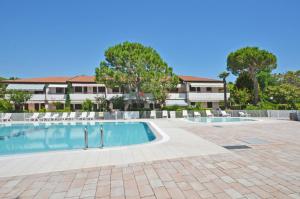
(209, 104)
(26, 107)
(151, 106)
(85, 89)
(94, 89)
(198, 89)
(115, 90)
(36, 107)
(208, 89)
(77, 106)
(60, 90)
(193, 89)
(101, 89)
(78, 89)
(95, 107)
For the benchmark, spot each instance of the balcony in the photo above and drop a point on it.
(83, 96)
(56, 97)
(34, 97)
(177, 96)
(204, 97)
(111, 95)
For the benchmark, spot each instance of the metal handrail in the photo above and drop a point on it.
(86, 141)
(101, 136)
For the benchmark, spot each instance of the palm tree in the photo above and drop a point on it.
(224, 75)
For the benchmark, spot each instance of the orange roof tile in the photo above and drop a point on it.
(91, 79)
(83, 79)
(40, 80)
(196, 79)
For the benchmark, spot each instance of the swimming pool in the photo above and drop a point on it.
(219, 119)
(28, 138)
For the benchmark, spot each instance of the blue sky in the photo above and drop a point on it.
(69, 37)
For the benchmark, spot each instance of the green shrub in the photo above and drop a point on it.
(87, 105)
(252, 107)
(267, 106)
(174, 108)
(118, 103)
(5, 106)
(58, 105)
(42, 110)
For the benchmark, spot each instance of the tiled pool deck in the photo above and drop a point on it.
(270, 169)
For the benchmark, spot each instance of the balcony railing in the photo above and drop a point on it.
(206, 96)
(84, 96)
(177, 96)
(56, 97)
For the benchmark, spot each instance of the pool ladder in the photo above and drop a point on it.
(86, 140)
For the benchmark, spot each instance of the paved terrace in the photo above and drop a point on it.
(270, 169)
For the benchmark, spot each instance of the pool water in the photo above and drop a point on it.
(28, 138)
(219, 119)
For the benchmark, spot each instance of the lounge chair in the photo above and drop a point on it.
(64, 116)
(242, 114)
(165, 114)
(6, 117)
(91, 116)
(83, 116)
(184, 113)
(34, 117)
(197, 114)
(172, 114)
(224, 114)
(46, 117)
(208, 113)
(153, 114)
(72, 116)
(55, 116)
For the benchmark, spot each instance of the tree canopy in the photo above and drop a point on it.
(251, 60)
(19, 98)
(136, 69)
(2, 87)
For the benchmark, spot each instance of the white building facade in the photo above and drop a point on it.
(50, 91)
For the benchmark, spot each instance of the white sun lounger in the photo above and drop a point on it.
(72, 116)
(197, 114)
(46, 117)
(172, 114)
(6, 117)
(83, 116)
(153, 114)
(242, 114)
(184, 113)
(64, 116)
(165, 114)
(91, 116)
(224, 114)
(34, 117)
(55, 116)
(208, 113)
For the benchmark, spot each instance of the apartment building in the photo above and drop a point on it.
(46, 92)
